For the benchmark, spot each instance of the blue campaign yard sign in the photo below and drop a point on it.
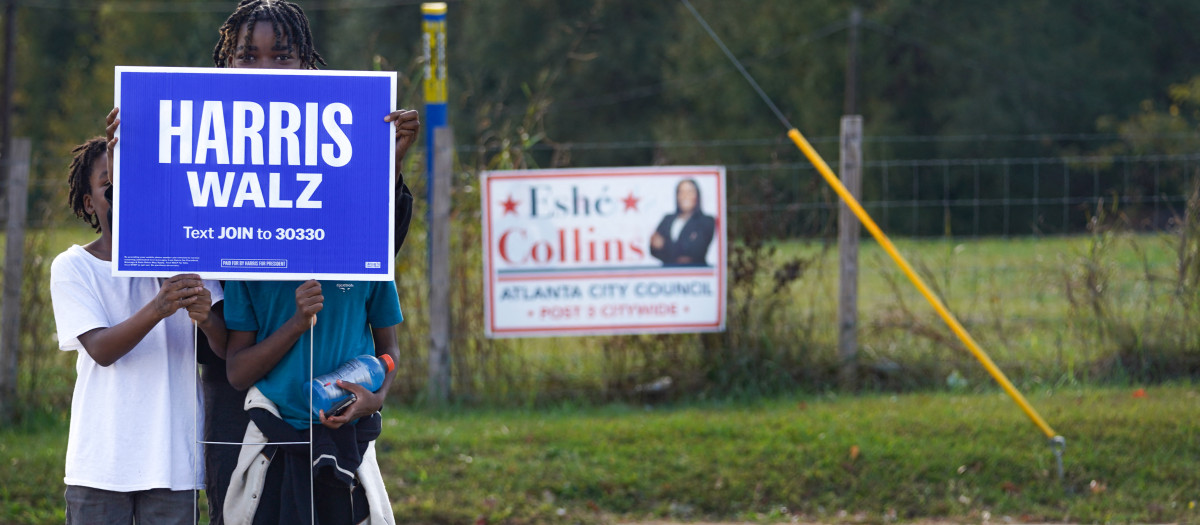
(263, 174)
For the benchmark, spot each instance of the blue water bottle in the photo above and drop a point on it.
(365, 370)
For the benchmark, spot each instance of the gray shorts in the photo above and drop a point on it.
(86, 505)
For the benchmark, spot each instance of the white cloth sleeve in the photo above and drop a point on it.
(77, 310)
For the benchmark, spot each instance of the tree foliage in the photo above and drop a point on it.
(531, 80)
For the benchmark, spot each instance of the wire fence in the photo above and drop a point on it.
(970, 198)
(961, 196)
(1044, 258)
(1065, 268)
(932, 197)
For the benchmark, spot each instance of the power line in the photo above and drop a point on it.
(651, 89)
(741, 69)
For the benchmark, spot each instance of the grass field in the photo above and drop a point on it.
(879, 457)
(1013, 295)
(967, 454)
(1131, 457)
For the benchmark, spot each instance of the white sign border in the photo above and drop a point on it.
(722, 256)
(263, 276)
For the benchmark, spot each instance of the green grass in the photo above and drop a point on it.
(1011, 294)
(32, 456)
(919, 456)
(924, 455)
(58, 239)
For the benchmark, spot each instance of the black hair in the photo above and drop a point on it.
(696, 187)
(80, 177)
(287, 20)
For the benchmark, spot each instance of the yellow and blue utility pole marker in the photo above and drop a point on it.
(433, 29)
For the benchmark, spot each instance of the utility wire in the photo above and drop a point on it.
(715, 72)
(762, 94)
(851, 202)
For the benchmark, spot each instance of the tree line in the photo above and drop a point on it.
(531, 78)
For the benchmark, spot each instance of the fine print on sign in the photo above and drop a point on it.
(275, 175)
(604, 251)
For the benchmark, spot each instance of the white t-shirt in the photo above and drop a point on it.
(134, 423)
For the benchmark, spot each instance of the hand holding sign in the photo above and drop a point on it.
(180, 291)
(110, 129)
(201, 307)
(309, 301)
(407, 125)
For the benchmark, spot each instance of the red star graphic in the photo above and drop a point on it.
(630, 202)
(510, 205)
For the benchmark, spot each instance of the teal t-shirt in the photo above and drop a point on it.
(342, 332)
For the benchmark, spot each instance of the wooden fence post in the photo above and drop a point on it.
(850, 168)
(17, 166)
(439, 266)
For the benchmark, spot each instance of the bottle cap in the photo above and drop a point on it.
(387, 361)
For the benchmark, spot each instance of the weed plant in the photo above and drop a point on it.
(1155, 338)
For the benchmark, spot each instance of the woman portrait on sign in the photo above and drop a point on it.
(683, 237)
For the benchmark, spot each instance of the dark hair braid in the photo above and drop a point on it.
(288, 22)
(80, 177)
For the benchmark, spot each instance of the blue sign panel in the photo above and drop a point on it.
(254, 175)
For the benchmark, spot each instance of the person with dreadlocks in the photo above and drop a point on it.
(130, 455)
(269, 325)
(273, 34)
(272, 329)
